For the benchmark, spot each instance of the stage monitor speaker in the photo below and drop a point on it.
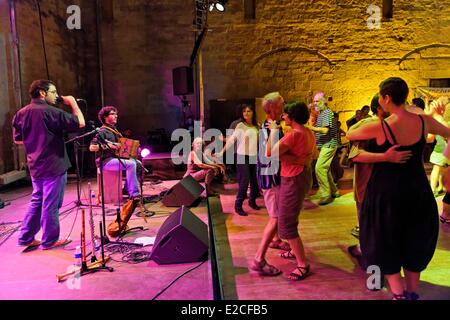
(182, 238)
(183, 81)
(184, 193)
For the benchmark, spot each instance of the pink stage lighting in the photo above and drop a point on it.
(145, 152)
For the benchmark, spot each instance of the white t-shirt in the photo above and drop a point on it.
(246, 139)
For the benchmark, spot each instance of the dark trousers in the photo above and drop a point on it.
(246, 173)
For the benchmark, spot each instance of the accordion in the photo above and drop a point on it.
(128, 148)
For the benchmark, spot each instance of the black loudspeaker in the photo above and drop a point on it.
(183, 81)
(182, 238)
(184, 193)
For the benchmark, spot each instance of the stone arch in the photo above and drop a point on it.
(419, 49)
(295, 49)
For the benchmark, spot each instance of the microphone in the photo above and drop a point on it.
(61, 100)
(91, 124)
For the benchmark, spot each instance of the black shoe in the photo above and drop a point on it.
(335, 195)
(253, 205)
(325, 201)
(240, 211)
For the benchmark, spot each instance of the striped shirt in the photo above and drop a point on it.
(326, 119)
(265, 179)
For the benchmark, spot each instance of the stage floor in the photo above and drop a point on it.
(325, 232)
(32, 275)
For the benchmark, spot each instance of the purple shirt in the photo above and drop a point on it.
(41, 127)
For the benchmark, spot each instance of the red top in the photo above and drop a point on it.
(301, 143)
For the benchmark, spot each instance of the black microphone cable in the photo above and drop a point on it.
(42, 37)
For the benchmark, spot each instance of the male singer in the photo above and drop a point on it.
(40, 127)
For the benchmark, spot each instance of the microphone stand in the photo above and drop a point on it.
(105, 240)
(78, 202)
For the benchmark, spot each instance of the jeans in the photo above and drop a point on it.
(132, 183)
(43, 211)
(246, 173)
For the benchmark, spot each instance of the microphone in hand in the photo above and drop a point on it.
(60, 99)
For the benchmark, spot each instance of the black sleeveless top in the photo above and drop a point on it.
(415, 163)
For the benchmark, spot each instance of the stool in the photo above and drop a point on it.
(112, 185)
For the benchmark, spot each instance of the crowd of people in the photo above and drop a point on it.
(396, 206)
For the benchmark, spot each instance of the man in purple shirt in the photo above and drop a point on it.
(40, 127)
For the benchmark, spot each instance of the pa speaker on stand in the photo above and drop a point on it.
(183, 81)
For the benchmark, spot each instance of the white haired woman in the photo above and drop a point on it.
(200, 170)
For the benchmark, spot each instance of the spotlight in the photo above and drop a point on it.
(145, 152)
(219, 5)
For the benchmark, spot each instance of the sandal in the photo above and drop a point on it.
(399, 297)
(280, 244)
(443, 220)
(287, 255)
(304, 272)
(264, 269)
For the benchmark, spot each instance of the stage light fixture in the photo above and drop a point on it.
(145, 152)
(219, 5)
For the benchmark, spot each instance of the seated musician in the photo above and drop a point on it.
(198, 167)
(109, 134)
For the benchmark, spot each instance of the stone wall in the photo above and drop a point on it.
(300, 47)
(69, 55)
(6, 84)
(142, 42)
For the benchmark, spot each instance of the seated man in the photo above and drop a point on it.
(109, 135)
(199, 170)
